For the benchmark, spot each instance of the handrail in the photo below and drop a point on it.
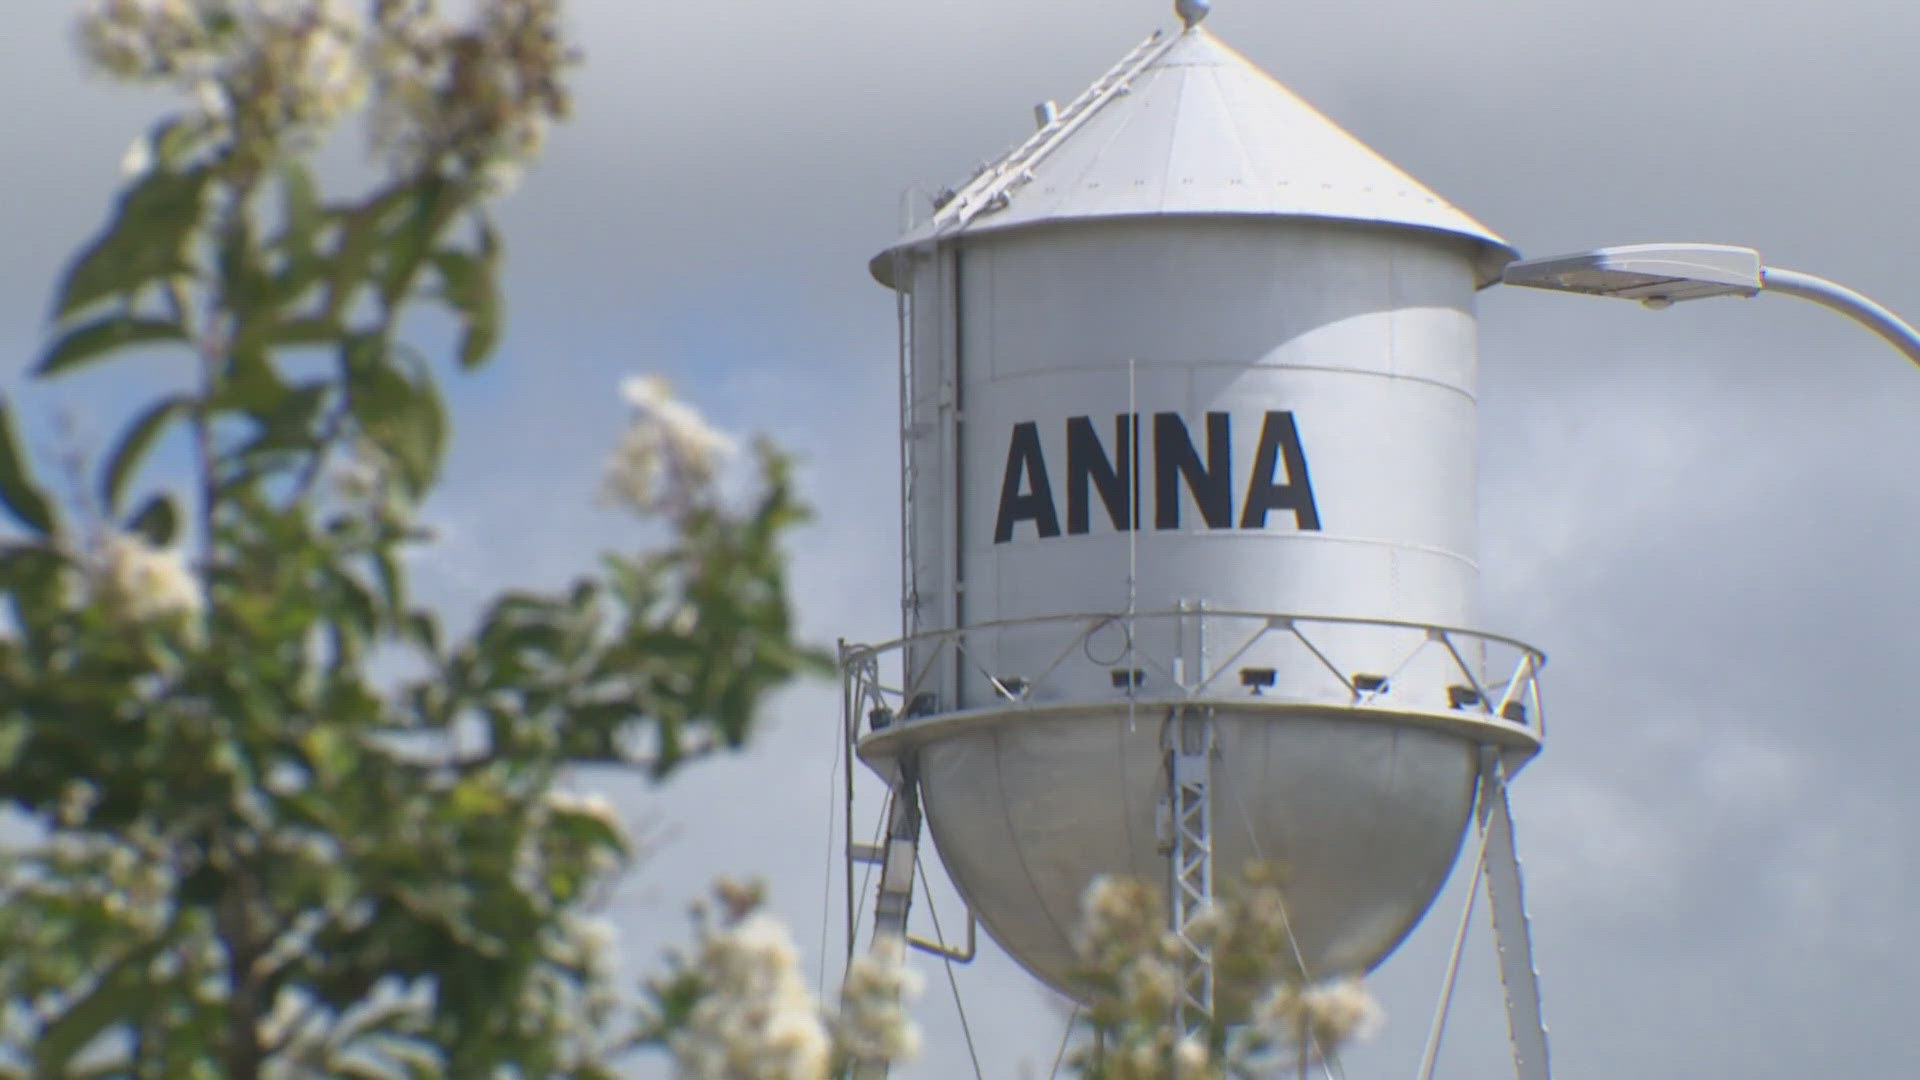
(1467, 687)
(1224, 613)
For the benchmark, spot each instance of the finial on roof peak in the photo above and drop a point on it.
(1192, 11)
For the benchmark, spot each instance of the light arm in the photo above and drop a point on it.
(1867, 313)
(1659, 275)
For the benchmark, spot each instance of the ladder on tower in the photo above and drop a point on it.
(994, 185)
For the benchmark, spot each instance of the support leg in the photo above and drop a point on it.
(1189, 768)
(1512, 932)
(896, 884)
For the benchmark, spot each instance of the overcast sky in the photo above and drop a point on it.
(1702, 514)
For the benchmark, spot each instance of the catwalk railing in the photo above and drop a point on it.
(1054, 660)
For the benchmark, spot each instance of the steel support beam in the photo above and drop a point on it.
(1189, 747)
(1512, 931)
(899, 855)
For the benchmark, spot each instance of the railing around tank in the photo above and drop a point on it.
(1408, 666)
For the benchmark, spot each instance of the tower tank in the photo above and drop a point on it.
(1188, 425)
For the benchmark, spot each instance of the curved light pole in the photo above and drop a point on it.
(1659, 275)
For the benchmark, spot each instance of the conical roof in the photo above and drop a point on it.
(1186, 125)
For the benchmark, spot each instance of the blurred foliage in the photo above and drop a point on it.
(1271, 1017)
(738, 1007)
(285, 823)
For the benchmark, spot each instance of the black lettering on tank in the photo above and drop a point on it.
(1112, 475)
(1279, 439)
(1025, 461)
(1175, 458)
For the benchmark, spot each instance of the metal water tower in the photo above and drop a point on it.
(1188, 442)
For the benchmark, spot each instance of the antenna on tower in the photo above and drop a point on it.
(1192, 11)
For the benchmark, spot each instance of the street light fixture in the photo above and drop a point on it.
(1659, 275)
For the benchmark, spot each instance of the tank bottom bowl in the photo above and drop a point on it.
(1359, 813)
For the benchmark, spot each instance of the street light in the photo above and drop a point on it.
(1659, 275)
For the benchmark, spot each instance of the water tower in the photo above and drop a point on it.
(1187, 392)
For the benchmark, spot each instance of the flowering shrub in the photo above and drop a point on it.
(667, 461)
(250, 855)
(739, 1008)
(142, 583)
(1269, 1016)
(473, 102)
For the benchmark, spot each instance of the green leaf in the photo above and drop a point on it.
(145, 242)
(157, 520)
(174, 138)
(14, 733)
(392, 582)
(405, 249)
(478, 796)
(424, 630)
(246, 289)
(403, 417)
(307, 330)
(290, 422)
(243, 279)
(120, 992)
(251, 383)
(352, 255)
(328, 752)
(299, 208)
(354, 604)
(590, 831)
(134, 445)
(32, 569)
(17, 492)
(94, 340)
(470, 285)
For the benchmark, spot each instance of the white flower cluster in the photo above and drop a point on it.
(1149, 985)
(1121, 920)
(1326, 1015)
(756, 1019)
(142, 39)
(1190, 1059)
(669, 456)
(588, 805)
(481, 98)
(603, 860)
(319, 44)
(1126, 944)
(362, 478)
(1186, 1059)
(873, 1023)
(1132, 957)
(580, 1003)
(77, 800)
(478, 99)
(120, 877)
(259, 68)
(588, 943)
(144, 583)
